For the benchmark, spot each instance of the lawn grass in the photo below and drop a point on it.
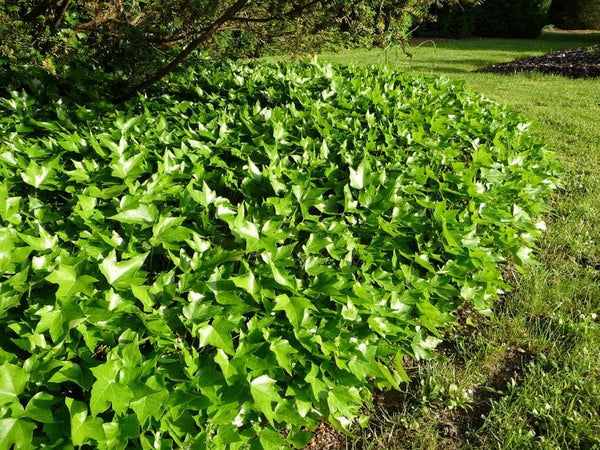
(528, 377)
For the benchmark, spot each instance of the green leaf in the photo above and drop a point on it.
(39, 407)
(524, 256)
(271, 439)
(279, 132)
(423, 260)
(206, 196)
(349, 311)
(151, 400)
(142, 214)
(357, 177)
(84, 429)
(119, 274)
(13, 380)
(9, 206)
(297, 309)
(264, 392)
(53, 320)
(17, 432)
(217, 335)
(69, 284)
(399, 367)
(72, 372)
(45, 241)
(124, 126)
(107, 390)
(36, 175)
(423, 345)
(247, 282)
(198, 310)
(344, 402)
(284, 353)
(230, 371)
(169, 229)
(244, 228)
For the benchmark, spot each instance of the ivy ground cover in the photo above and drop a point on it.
(226, 265)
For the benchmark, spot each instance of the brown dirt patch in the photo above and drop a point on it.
(573, 63)
(454, 425)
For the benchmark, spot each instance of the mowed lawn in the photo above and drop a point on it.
(528, 377)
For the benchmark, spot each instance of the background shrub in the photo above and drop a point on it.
(491, 18)
(513, 19)
(454, 22)
(575, 14)
(253, 250)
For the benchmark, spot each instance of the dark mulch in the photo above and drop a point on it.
(573, 63)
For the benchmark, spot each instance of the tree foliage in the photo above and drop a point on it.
(576, 14)
(138, 42)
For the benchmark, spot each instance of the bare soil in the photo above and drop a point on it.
(573, 63)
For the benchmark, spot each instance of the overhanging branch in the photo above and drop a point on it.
(204, 36)
(295, 11)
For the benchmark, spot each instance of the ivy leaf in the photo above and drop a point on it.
(423, 345)
(344, 402)
(17, 432)
(45, 241)
(36, 175)
(357, 177)
(169, 229)
(218, 335)
(83, 428)
(264, 392)
(247, 282)
(69, 284)
(271, 439)
(39, 407)
(284, 353)
(296, 308)
(244, 228)
(142, 214)
(9, 206)
(72, 372)
(525, 258)
(13, 380)
(228, 369)
(51, 319)
(279, 132)
(198, 311)
(151, 401)
(106, 390)
(423, 260)
(205, 197)
(119, 274)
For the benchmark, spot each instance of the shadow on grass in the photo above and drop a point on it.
(457, 66)
(548, 41)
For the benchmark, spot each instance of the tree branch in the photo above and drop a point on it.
(58, 17)
(41, 9)
(204, 36)
(297, 9)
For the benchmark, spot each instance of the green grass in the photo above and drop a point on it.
(528, 377)
(455, 57)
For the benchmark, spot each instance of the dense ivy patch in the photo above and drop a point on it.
(253, 252)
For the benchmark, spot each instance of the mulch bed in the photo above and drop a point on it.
(573, 63)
